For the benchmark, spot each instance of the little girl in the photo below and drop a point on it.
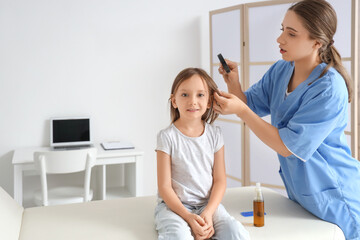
(190, 166)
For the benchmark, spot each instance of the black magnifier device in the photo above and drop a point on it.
(223, 63)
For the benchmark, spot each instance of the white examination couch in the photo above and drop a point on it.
(133, 218)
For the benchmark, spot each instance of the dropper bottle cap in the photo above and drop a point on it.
(259, 196)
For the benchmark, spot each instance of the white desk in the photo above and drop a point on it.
(23, 160)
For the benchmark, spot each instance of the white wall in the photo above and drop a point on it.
(112, 60)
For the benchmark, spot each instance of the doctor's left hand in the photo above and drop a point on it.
(228, 103)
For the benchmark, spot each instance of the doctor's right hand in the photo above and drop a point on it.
(228, 103)
(233, 76)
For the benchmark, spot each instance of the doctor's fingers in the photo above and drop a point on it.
(216, 96)
(228, 106)
(232, 65)
(217, 103)
(223, 98)
(217, 108)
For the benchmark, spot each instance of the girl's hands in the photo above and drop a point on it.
(209, 221)
(198, 225)
(228, 104)
(233, 76)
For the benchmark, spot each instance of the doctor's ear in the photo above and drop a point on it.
(318, 44)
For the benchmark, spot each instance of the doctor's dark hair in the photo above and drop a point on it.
(319, 18)
(210, 115)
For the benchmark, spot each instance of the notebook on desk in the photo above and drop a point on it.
(116, 145)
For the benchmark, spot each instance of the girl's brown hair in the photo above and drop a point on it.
(319, 18)
(210, 115)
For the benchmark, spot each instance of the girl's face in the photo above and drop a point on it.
(191, 98)
(294, 42)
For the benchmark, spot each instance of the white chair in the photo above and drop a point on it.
(63, 162)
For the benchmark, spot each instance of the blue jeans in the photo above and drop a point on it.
(171, 226)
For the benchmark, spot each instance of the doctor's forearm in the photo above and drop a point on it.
(265, 131)
(235, 88)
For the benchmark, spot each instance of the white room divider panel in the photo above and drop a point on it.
(346, 13)
(247, 34)
(225, 39)
(263, 161)
(261, 51)
(233, 151)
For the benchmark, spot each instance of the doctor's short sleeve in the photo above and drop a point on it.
(163, 142)
(314, 121)
(257, 95)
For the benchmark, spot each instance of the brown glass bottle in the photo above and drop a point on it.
(258, 207)
(258, 213)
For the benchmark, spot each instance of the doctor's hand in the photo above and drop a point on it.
(228, 103)
(233, 76)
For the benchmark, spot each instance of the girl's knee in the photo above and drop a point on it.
(175, 234)
(231, 229)
(170, 225)
(175, 231)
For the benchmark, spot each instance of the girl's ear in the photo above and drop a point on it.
(173, 102)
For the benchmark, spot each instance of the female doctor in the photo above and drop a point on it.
(307, 95)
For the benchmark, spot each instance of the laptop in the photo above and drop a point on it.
(70, 133)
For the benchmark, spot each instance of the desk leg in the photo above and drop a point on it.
(103, 182)
(139, 176)
(134, 177)
(18, 184)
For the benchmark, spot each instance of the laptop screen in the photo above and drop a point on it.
(70, 131)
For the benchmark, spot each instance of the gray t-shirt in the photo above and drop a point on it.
(192, 161)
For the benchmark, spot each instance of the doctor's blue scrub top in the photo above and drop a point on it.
(321, 175)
